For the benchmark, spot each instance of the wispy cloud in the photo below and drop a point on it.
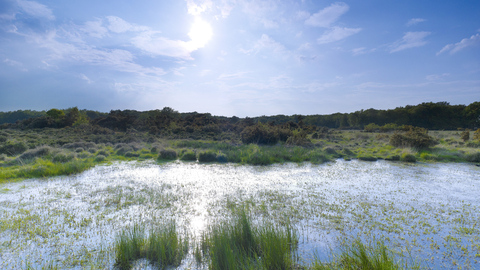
(409, 40)
(266, 42)
(464, 43)
(85, 78)
(237, 75)
(196, 7)
(35, 9)
(415, 21)
(118, 25)
(328, 15)
(337, 33)
(94, 29)
(15, 64)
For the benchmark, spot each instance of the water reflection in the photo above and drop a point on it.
(428, 210)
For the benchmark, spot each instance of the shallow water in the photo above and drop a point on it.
(424, 212)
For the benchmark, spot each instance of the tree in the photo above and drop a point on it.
(56, 114)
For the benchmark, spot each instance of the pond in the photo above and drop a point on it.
(428, 213)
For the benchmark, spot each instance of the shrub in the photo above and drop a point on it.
(3, 157)
(64, 157)
(189, 155)
(476, 135)
(79, 149)
(367, 158)
(168, 154)
(474, 157)
(393, 158)
(330, 151)
(37, 152)
(415, 137)
(222, 158)
(408, 158)
(13, 148)
(207, 156)
(259, 134)
(132, 154)
(100, 158)
(465, 135)
(103, 153)
(371, 127)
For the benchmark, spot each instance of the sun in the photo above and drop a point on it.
(200, 33)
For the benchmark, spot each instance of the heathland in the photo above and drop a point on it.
(62, 142)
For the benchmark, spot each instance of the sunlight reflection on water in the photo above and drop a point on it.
(69, 221)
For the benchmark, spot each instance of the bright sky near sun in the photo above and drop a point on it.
(238, 57)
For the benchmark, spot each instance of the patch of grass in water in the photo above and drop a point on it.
(356, 255)
(163, 247)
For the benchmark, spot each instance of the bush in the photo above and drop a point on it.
(79, 149)
(393, 158)
(64, 157)
(474, 157)
(37, 152)
(207, 156)
(465, 135)
(222, 158)
(415, 137)
(168, 154)
(13, 148)
(367, 158)
(408, 158)
(103, 153)
(264, 134)
(189, 155)
(100, 158)
(132, 154)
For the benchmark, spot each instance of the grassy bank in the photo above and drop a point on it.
(238, 243)
(51, 152)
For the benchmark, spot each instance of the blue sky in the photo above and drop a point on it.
(238, 57)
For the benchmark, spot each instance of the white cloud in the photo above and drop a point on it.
(301, 15)
(7, 17)
(204, 72)
(268, 24)
(358, 51)
(118, 25)
(14, 63)
(196, 7)
(328, 15)
(94, 29)
(409, 40)
(266, 42)
(337, 33)
(240, 74)
(436, 77)
(464, 43)
(177, 72)
(226, 8)
(35, 9)
(83, 77)
(149, 42)
(415, 21)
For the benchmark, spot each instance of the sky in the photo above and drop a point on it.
(238, 57)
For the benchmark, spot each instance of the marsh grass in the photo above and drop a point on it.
(163, 247)
(240, 244)
(356, 255)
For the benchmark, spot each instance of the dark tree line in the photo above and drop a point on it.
(440, 115)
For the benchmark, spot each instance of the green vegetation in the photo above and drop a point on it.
(163, 247)
(69, 141)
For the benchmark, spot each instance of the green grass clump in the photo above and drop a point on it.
(408, 158)
(207, 156)
(188, 155)
(367, 158)
(163, 247)
(239, 244)
(167, 154)
(356, 255)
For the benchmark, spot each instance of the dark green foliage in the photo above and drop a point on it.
(415, 137)
(393, 158)
(37, 152)
(13, 148)
(465, 135)
(260, 134)
(367, 158)
(63, 157)
(189, 155)
(55, 114)
(207, 156)
(132, 154)
(474, 157)
(408, 158)
(222, 158)
(100, 158)
(168, 154)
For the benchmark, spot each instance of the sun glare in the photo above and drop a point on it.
(200, 33)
